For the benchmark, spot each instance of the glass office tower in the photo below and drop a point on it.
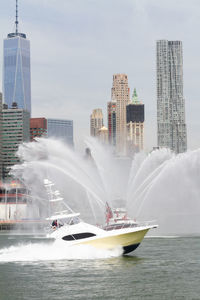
(60, 129)
(16, 71)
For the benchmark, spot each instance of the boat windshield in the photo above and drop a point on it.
(69, 221)
(74, 220)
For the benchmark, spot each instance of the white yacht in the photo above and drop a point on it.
(67, 225)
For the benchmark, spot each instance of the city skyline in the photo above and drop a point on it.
(84, 52)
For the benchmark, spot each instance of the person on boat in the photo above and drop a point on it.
(54, 224)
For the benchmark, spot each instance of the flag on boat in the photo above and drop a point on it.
(109, 213)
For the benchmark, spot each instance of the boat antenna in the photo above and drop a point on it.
(16, 20)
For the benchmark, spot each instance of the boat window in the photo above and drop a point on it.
(12, 191)
(11, 200)
(21, 191)
(22, 200)
(78, 236)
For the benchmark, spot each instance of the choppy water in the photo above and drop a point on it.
(161, 268)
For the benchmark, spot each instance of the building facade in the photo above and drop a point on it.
(135, 125)
(121, 93)
(17, 208)
(38, 128)
(171, 126)
(15, 130)
(1, 161)
(16, 70)
(111, 111)
(96, 121)
(61, 129)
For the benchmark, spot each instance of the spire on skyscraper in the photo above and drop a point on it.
(135, 97)
(16, 19)
(16, 33)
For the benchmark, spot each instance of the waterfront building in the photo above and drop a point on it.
(96, 121)
(120, 92)
(111, 112)
(17, 210)
(15, 130)
(135, 125)
(171, 126)
(61, 129)
(1, 162)
(103, 135)
(16, 69)
(38, 128)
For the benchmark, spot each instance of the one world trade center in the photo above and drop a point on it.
(16, 69)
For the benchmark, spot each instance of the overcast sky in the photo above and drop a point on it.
(77, 45)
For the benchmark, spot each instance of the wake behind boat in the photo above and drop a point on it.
(67, 225)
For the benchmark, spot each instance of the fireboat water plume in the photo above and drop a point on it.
(173, 196)
(161, 185)
(70, 172)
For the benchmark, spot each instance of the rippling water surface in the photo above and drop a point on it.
(37, 268)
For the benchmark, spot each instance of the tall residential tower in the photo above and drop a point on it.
(120, 92)
(16, 69)
(171, 126)
(96, 121)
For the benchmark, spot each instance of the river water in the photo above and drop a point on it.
(38, 268)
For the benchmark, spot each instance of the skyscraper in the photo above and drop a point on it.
(96, 121)
(171, 126)
(120, 92)
(16, 69)
(135, 125)
(62, 129)
(111, 110)
(16, 130)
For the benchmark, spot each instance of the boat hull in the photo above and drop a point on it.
(130, 248)
(129, 241)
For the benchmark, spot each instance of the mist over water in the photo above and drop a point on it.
(172, 194)
(160, 185)
(54, 251)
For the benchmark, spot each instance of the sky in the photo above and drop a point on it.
(77, 46)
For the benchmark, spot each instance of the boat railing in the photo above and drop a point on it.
(130, 225)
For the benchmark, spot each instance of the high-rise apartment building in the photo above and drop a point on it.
(62, 129)
(120, 92)
(16, 69)
(171, 126)
(16, 130)
(96, 121)
(38, 128)
(135, 125)
(111, 111)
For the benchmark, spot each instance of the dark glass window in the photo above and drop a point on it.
(78, 236)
